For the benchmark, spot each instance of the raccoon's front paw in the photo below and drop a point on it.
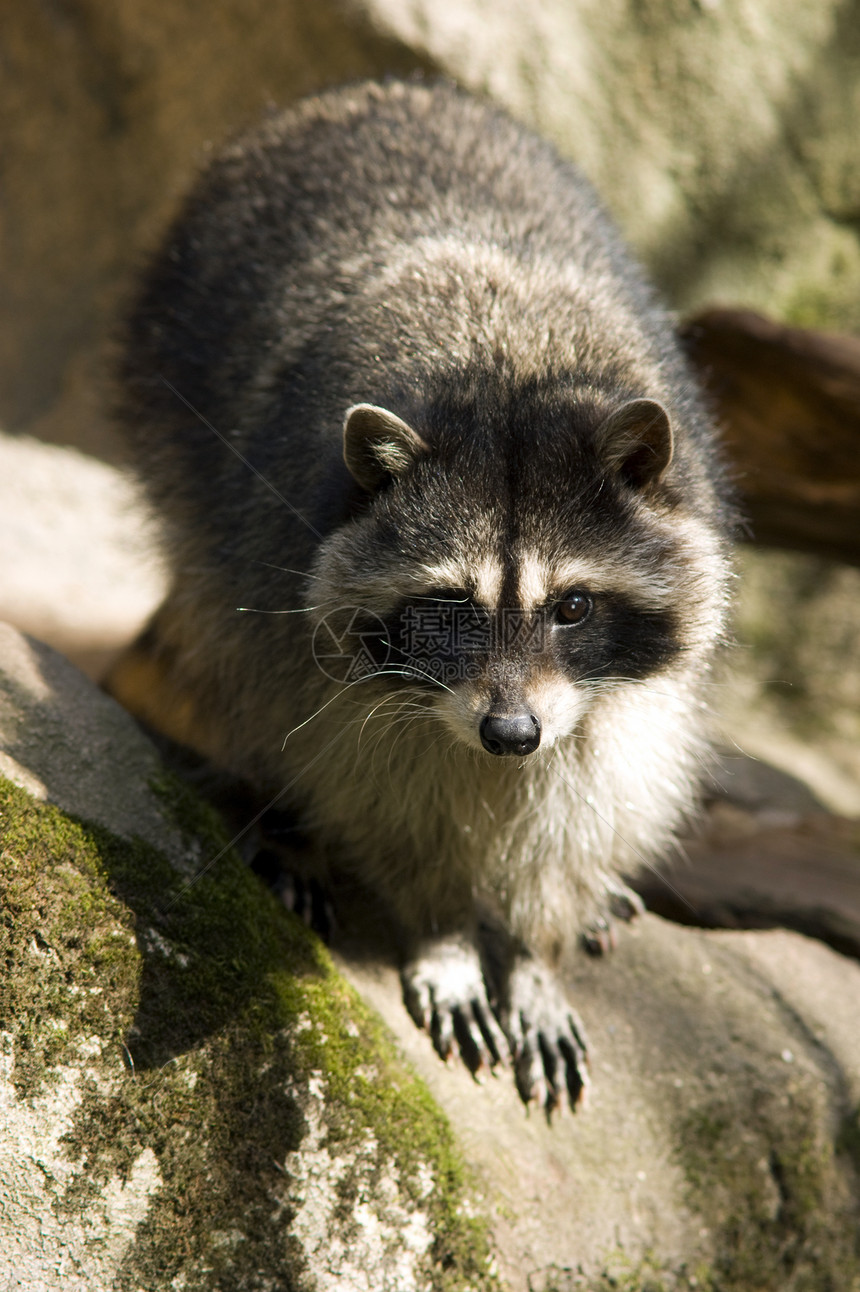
(444, 990)
(621, 904)
(304, 896)
(546, 1036)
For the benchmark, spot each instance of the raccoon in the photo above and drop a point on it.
(399, 392)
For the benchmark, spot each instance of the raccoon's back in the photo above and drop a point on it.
(255, 316)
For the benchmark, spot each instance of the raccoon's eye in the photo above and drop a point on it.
(574, 608)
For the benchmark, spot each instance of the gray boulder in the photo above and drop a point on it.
(79, 561)
(720, 1147)
(192, 1096)
(196, 1097)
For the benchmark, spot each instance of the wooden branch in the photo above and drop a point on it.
(788, 400)
(747, 873)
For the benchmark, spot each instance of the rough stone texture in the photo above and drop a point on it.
(67, 743)
(190, 1096)
(193, 1096)
(718, 1142)
(722, 133)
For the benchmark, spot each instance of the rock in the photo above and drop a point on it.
(722, 136)
(80, 566)
(69, 744)
(191, 1095)
(195, 1097)
(726, 1080)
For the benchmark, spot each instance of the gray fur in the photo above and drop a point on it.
(410, 248)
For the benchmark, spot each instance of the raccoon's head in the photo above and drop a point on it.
(519, 570)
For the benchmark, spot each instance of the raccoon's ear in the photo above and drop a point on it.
(636, 441)
(377, 444)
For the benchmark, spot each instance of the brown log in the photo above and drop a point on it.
(788, 400)
(803, 875)
(766, 855)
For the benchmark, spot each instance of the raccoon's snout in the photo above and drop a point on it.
(517, 733)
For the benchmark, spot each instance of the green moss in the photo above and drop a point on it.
(776, 1198)
(622, 1274)
(213, 1008)
(395, 1107)
(67, 943)
(830, 305)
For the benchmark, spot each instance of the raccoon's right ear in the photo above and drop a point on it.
(636, 442)
(377, 444)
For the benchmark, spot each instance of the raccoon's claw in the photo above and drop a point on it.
(624, 903)
(621, 904)
(600, 938)
(547, 1039)
(482, 1042)
(444, 991)
(306, 898)
(275, 854)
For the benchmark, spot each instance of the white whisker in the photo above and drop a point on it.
(298, 610)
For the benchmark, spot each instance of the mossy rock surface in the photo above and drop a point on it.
(197, 1096)
(199, 1099)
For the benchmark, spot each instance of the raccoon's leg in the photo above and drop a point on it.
(546, 1036)
(444, 990)
(621, 904)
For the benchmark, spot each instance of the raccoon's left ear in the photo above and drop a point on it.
(377, 444)
(636, 441)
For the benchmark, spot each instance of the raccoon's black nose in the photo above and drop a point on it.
(517, 733)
